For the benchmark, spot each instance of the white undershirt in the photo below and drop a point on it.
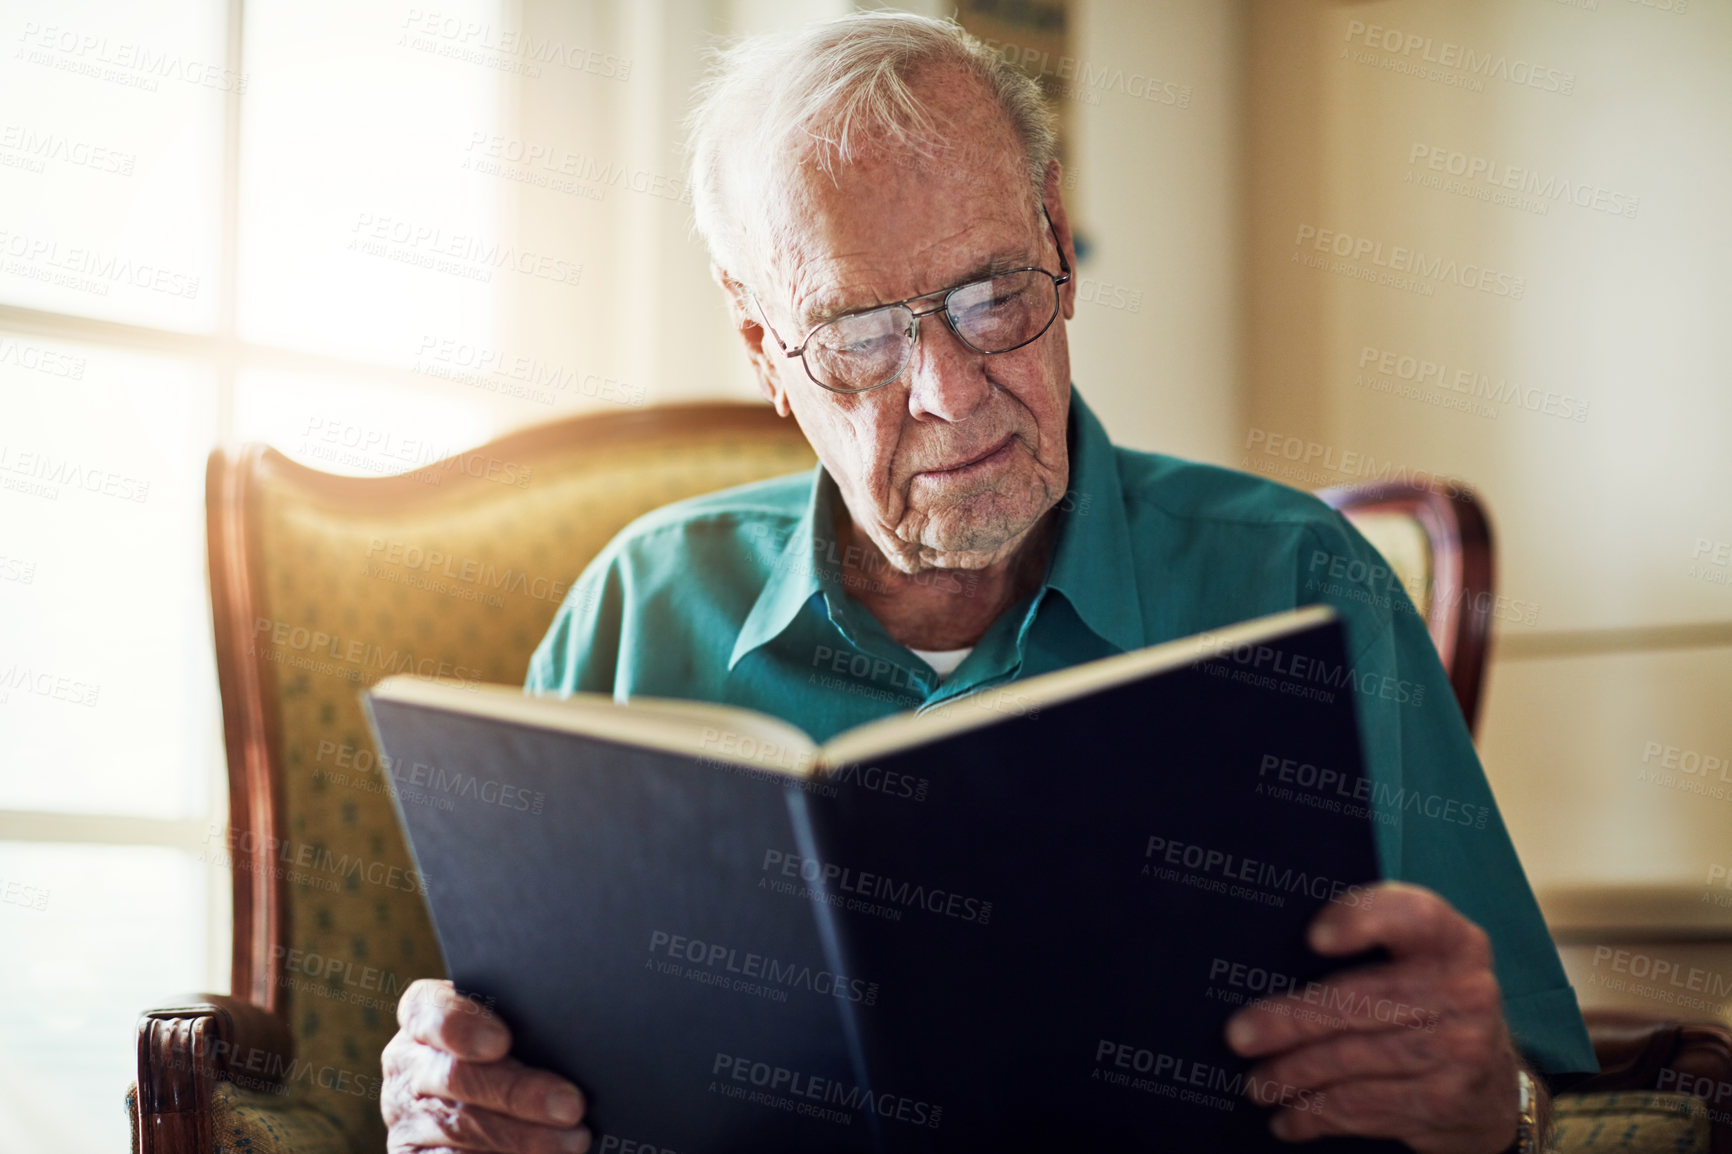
(943, 660)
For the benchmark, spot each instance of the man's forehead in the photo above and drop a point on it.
(873, 240)
(898, 217)
(839, 290)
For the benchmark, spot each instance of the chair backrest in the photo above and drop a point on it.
(1440, 547)
(320, 586)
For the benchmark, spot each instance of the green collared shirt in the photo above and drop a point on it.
(740, 597)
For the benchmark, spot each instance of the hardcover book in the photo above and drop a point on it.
(1017, 920)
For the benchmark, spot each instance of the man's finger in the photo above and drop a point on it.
(1325, 1064)
(1407, 920)
(1380, 1108)
(435, 1014)
(1403, 996)
(505, 1087)
(447, 1126)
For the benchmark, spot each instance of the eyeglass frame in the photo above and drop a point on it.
(1059, 280)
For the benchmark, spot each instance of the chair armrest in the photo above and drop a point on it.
(182, 1050)
(1642, 1052)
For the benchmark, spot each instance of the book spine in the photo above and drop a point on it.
(830, 940)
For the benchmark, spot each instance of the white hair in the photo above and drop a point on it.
(820, 94)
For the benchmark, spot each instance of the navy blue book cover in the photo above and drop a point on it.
(1022, 932)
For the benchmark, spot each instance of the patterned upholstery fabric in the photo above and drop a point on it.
(248, 1122)
(471, 578)
(1636, 1122)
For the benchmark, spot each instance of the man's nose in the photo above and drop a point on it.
(946, 378)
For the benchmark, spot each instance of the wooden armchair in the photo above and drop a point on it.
(321, 585)
(1440, 548)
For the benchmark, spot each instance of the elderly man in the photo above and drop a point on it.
(882, 206)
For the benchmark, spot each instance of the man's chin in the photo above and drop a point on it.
(970, 536)
(947, 556)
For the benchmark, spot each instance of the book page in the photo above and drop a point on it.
(701, 730)
(993, 705)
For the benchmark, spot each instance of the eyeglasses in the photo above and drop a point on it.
(859, 352)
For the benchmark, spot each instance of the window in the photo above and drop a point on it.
(217, 221)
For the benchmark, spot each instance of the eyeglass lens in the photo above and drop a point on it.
(864, 350)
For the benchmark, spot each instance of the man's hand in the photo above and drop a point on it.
(450, 1086)
(1413, 1049)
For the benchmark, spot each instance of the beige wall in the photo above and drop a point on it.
(1156, 343)
(1610, 642)
(1157, 193)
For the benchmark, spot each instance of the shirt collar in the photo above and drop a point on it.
(1091, 565)
(794, 574)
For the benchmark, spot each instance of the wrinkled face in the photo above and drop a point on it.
(954, 463)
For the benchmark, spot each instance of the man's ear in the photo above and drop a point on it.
(745, 321)
(1061, 229)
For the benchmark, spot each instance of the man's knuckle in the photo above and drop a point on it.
(391, 1058)
(1476, 943)
(422, 992)
(400, 1140)
(1435, 917)
(1478, 994)
(447, 1119)
(1308, 1067)
(1282, 1071)
(429, 1023)
(1354, 1107)
(1303, 1125)
(1323, 1114)
(396, 1085)
(1468, 1047)
(408, 1009)
(441, 1074)
(1364, 1052)
(392, 1104)
(1487, 1037)
(1457, 1084)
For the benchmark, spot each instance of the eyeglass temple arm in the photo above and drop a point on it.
(1063, 264)
(771, 329)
